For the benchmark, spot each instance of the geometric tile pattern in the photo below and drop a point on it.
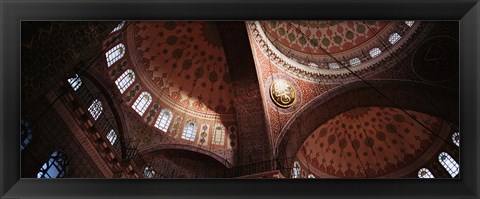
(370, 142)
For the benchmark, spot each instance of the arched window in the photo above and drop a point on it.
(333, 66)
(393, 38)
(190, 130)
(119, 26)
(164, 119)
(313, 65)
(25, 133)
(125, 80)
(218, 135)
(75, 82)
(456, 138)
(148, 172)
(409, 23)
(355, 61)
(310, 176)
(115, 54)
(140, 105)
(375, 52)
(449, 164)
(95, 109)
(56, 167)
(296, 170)
(112, 136)
(425, 173)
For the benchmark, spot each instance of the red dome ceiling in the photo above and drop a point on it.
(374, 142)
(183, 63)
(333, 36)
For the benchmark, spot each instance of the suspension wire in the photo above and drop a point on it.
(336, 108)
(347, 136)
(395, 57)
(379, 92)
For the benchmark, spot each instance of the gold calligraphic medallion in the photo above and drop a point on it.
(283, 93)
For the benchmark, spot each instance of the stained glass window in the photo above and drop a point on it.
(119, 26)
(112, 136)
(409, 23)
(143, 101)
(425, 173)
(164, 119)
(95, 109)
(456, 138)
(393, 38)
(148, 172)
(375, 52)
(219, 135)
(115, 54)
(56, 167)
(25, 133)
(190, 130)
(449, 164)
(296, 170)
(125, 80)
(75, 82)
(355, 61)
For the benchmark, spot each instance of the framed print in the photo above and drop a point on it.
(239, 99)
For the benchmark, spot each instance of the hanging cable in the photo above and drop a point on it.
(400, 64)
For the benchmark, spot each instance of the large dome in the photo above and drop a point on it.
(319, 50)
(184, 65)
(371, 142)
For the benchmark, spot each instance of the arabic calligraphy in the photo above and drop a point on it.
(283, 93)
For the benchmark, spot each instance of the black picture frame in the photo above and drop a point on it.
(12, 12)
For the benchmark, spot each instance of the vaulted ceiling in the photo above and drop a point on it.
(372, 142)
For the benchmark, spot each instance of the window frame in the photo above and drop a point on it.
(113, 55)
(394, 38)
(427, 175)
(75, 82)
(190, 133)
(164, 119)
(140, 105)
(95, 109)
(221, 137)
(61, 167)
(452, 167)
(112, 136)
(376, 52)
(124, 81)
